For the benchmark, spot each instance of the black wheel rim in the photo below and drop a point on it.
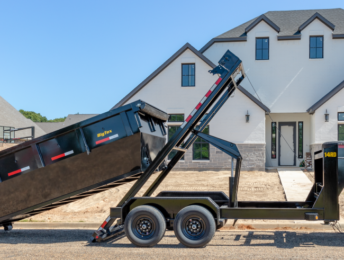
(194, 227)
(143, 227)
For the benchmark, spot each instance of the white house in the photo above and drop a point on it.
(294, 60)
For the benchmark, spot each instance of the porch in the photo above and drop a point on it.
(288, 139)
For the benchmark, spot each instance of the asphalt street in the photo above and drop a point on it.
(72, 244)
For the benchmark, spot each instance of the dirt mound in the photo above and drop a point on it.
(253, 186)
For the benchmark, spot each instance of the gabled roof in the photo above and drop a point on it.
(325, 98)
(265, 19)
(9, 116)
(71, 119)
(161, 68)
(320, 18)
(288, 24)
(254, 99)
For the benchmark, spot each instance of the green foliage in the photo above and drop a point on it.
(302, 164)
(37, 117)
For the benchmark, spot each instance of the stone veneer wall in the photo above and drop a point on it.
(253, 159)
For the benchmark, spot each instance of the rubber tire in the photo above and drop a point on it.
(205, 215)
(159, 222)
(220, 226)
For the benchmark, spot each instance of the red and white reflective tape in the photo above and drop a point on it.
(107, 139)
(201, 102)
(19, 171)
(62, 155)
(340, 146)
(105, 222)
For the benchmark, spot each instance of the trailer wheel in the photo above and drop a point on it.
(194, 226)
(145, 226)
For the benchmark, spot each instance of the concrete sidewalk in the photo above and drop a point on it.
(295, 183)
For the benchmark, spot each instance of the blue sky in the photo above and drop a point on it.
(66, 57)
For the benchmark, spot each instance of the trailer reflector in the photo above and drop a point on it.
(188, 119)
(62, 155)
(218, 81)
(340, 146)
(107, 139)
(105, 222)
(198, 106)
(19, 171)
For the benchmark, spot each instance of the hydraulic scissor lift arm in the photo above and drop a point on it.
(231, 74)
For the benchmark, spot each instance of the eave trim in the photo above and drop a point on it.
(254, 99)
(265, 19)
(320, 18)
(215, 40)
(289, 37)
(325, 98)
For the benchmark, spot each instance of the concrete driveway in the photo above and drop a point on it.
(72, 244)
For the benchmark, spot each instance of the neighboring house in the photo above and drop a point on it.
(294, 60)
(71, 119)
(11, 118)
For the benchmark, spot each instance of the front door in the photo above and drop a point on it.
(287, 144)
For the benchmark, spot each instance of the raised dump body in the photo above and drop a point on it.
(80, 160)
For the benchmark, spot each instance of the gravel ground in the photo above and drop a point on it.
(71, 244)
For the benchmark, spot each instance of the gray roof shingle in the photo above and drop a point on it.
(290, 21)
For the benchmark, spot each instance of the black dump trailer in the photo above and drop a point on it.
(80, 160)
(194, 216)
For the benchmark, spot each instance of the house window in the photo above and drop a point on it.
(176, 118)
(340, 132)
(188, 75)
(300, 139)
(273, 140)
(201, 147)
(262, 48)
(316, 47)
(172, 129)
(340, 116)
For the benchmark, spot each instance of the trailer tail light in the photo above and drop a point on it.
(107, 139)
(19, 171)
(341, 146)
(62, 155)
(201, 102)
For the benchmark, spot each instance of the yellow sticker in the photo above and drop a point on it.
(104, 133)
(331, 154)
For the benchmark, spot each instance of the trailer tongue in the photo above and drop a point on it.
(129, 143)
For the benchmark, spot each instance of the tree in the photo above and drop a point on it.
(37, 117)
